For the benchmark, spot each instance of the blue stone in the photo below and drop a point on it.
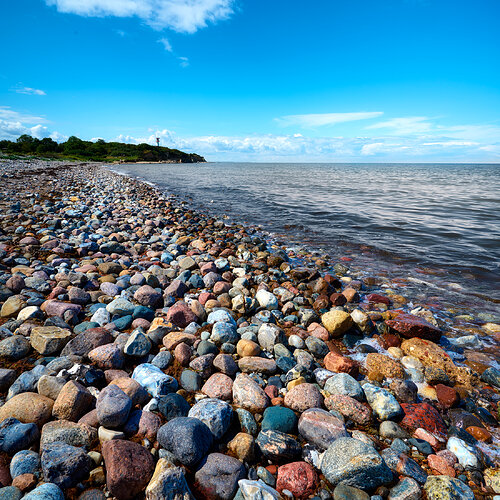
(25, 462)
(86, 325)
(190, 381)
(144, 313)
(279, 418)
(215, 414)
(173, 406)
(16, 436)
(123, 322)
(47, 491)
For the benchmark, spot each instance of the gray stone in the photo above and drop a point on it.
(214, 413)
(113, 407)
(138, 344)
(15, 347)
(344, 384)
(447, 488)
(72, 433)
(354, 463)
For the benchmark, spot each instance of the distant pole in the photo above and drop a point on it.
(158, 141)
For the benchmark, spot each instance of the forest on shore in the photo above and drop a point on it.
(100, 150)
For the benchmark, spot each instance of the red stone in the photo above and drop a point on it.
(338, 299)
(479, 433)
(447, 396)
(297, 477)
(340, 364)
(319, 331)
(129, 467)
(181, 315)
(423, 415)
(271, 391)
(221, 287)
(440, 465)
(206, 296)
(351, 294)
(378, 299)
(410, 326)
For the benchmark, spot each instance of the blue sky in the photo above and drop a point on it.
(259, 80)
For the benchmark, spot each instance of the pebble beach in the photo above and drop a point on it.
(149, 350)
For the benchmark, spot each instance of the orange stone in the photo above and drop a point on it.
(479, 433)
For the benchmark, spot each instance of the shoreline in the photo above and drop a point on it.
(296, 329)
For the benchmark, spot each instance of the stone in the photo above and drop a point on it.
(400, 463)
(147, 296)
(344, 492)
(447, 396)
(278, 418)
(65, 465)
(464, 452)
(299, 478)
(168, 482)
(440, 465)
(491, 376)
(252, 490)
(391, 430)
(354, 463)
(73, 401)
(337, 363)
(249, 395)
(246, 347)
(226, 364)
(269, 335)
(129, 467)
(382, 402)
(344, 384)
(50, 386)
(27, 381)
(219, 386)
(337, 322)
(242, 446)
(113, 407)
(214, 413)
(349, 408)
(447, 488)
(15, 347)
(142, 424)
(107, 357)
(47, 491)
(12, 306)
(255, 364)
(25, 462)
(57, 308)
(320, 427)
(120, 307)
(278, 446)
(49, 340)
(218, 477)
(25, 482)
(423, 415)
(86, 341)
(188, 439)
(137, 345)
(383, 365)
(266, 300)
(16, 436)
(406, 489)
(180, 314)
(173, 405)
(304, 396)
(72, 433)
(492, 479)
(154, 380)
(224, 332)
(28, 407)
(409, 326)
(7, 377)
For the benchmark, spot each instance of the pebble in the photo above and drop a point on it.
(214, 413)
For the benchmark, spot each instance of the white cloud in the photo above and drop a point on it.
(184, 62)
(13, 124)
(28, 91)
(185, 16)
(296, 147)
(166, 44)
(405, 126)
(322, 119)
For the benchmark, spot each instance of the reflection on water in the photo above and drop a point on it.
(441, 217)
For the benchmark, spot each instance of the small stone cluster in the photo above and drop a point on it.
(150, 351)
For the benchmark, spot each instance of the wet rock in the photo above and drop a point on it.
(340, 364)
(344, 492)
(349, 408)
(422, 415)
(354, 463)
(129, 467)
(15, 347)
(320, 427)
(337, 322)
(65, 465)
(402, 464)
(242, 446)
(218, 477)
(447, 488)
(188, 439)
(406, 489)
(382, 402)
(409, 326)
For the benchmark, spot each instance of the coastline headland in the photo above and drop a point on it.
(147, 349)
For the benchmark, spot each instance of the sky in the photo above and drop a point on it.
(258, 80)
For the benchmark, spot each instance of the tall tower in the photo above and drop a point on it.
(158, 141)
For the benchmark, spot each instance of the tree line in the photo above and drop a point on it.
(100, 150)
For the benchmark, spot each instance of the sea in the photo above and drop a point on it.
(430, 232)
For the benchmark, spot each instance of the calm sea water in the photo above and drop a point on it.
(437, 224)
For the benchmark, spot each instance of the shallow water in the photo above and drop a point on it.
(437, 225)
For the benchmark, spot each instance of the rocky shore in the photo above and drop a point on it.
(149, 351)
